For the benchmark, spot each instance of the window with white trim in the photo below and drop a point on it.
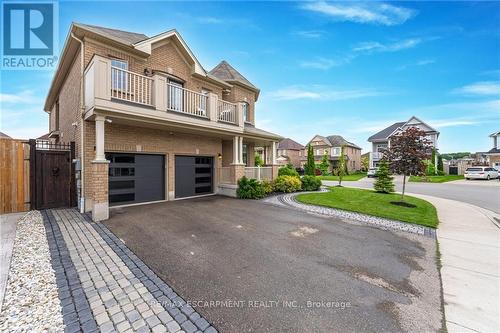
(119, 74)
(245, 108)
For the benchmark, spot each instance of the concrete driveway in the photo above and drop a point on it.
(482, 193)
(249, 266)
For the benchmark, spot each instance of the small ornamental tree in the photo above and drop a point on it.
(408, 151)
(384, 183)
(325, 163)
(258, 160)
(342, 165)
(440, 166)
(365, 162)
(309, 167)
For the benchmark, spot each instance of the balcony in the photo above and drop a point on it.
(111, 88)
(376, 155)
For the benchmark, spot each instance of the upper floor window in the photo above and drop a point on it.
(245, 112)
(336, 151)
(119, 74)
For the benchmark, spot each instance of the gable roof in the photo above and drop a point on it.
(384, 134)
(125, 37)
(338, 141)
(387, 132)
(4, 136)
(226, 72)
(494, 134)
(289, 144)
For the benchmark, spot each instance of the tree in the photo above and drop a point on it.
(258, 160)
(433, 160)
(325, 163)
(440, 166)
(342, 165)
(365, 162)
(407, 153)
(384, 183)
(309, 167)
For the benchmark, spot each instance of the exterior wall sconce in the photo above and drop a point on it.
(219, 156)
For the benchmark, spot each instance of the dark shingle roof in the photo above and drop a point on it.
(250, 129)
(337, 141)
(226, 72)
(44, 137)
(383, 134)
(290, 144)
(125, 37)
(494, 151)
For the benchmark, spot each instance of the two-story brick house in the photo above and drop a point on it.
(332, 146)
(149, 122)
(382, 140)
(290, 152)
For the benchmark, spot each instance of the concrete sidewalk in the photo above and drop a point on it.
(469, 242)
(8, 224)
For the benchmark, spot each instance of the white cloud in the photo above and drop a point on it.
(372, 46)
(322, 63)
(373, 13)
(22, 97)
(313, 34)
(442, 123)
(210, 20)
(423, 62)
(317, 92)
(484, 88)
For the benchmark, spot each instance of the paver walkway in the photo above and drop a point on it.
(103, 286)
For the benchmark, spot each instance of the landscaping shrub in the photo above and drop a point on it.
(287, 184)
(267, 187)
(287, 171)
(249, 189)
(384, 183)
(310, 183)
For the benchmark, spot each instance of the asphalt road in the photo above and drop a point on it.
(482, 193)
(273, 269)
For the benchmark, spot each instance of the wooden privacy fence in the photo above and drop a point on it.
(14, 176)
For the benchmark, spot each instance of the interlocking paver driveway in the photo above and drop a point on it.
(104, 287)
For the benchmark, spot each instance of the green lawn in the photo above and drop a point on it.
(373, 203)
(352, 177)
(435, 179)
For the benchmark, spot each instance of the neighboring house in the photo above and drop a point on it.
(382, 139)
(4, 136)
(44, 137)
(290, 151)
(149, 122)
(494, 153)
(332, 145)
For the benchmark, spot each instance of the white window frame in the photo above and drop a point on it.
(119, 79)
(245, 108)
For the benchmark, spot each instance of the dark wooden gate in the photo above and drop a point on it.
(52, 175)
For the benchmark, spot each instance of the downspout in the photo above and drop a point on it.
(82, 108)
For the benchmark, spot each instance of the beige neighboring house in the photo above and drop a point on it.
(150, 123)
(382, 139)
(289, 151)
(332, 145)
(493, 155)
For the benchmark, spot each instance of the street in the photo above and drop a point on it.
(482, 193)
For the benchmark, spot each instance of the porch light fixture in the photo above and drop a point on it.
(219, 156)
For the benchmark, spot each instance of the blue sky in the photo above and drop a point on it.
(348, 68)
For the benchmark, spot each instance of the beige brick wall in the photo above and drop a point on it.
(121, 138)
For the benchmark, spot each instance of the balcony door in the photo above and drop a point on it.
(175, 96)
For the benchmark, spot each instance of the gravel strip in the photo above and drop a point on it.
(289, 200)
(31, 301)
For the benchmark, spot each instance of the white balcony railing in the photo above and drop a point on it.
(226, 111)
(376, 155)
(131, 87)
(105, 84)
(259, 173)
(186, 101)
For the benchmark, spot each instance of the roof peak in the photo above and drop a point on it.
(225, 71)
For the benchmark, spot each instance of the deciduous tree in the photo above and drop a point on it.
(407, 153)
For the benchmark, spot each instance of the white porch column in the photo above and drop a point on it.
(99, 138)
(240, 150)
(236, 143)
(273, 153)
